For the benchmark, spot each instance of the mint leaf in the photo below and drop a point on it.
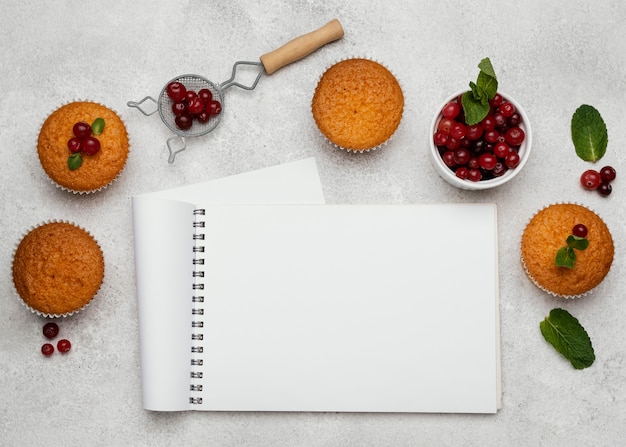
(565, 257)
(568, 337)
(474, 109)
(476, 102)
(98, 126)
(579, 243)
(74, 161)
(486, 67)
(589, 133)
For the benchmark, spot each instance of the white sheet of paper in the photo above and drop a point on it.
(383, 308)
(162, 260)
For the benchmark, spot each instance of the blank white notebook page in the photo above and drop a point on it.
(382, 308)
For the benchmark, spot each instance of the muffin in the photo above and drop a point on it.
(358, 104)
(547, 232)
(58, 268)
(98, 169)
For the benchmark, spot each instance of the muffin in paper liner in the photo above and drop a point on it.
(97, 171)
(547, 231)
(57, 269)
(358, 104)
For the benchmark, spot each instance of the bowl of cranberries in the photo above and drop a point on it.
(483, 155)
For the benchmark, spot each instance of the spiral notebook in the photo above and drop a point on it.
(312, 307)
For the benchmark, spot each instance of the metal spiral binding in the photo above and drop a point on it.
(196, 311)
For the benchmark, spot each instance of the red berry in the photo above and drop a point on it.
(488, 161)
(440, 138)
(605, 189)
(176, 91)
(73, 144)
(499, 169)
(474, 132)
(81, 130)
(195, 105)
(444, 125)
(213, 107)
(474, 175)
(451, 110)
(448, 159)
(90, 145)
(178, 108)
(579, 230)
(496, 101)
(507, 109)
(512, 160)
(47, 349)
(64, 345)
(608, 174)
(50, 330)
(500, 120)
(461, 156)
(590, 179)
(501, 150)
(190, 95)
(491, 136)
(205, 95)
(183, 121)
(515, 136)
(203, 117)
(488, 123)
(458, 130)
(462, 173)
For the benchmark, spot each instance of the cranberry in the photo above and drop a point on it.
(500, 120)
(453, 143)
(213, 107)
(501, 150)
(190, 95)
(474, 132)
(496, 101)
(178, 108)
(579, 230)
(444, 125)
(81, 129)
(515, 136)
(448, 159)
(499, 169)
(488, 123)
(440, 138)
(205, 95)
(487, 161)
(458, 130)
(203, 117)
(608, 174)
(514, 120)
(90, 145)
(183, 121)
(176, 91)
(605, 189)
(474, 175)
(451, 110)
(507, 109)
(590, 179)
(462, 173)
(461, 156)
(64, 345)
(73, 144)
(47, 349)
(50, 330)
(195, 105)
(491, 136)
(512, 160)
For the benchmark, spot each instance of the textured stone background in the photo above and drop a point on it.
(551, 56)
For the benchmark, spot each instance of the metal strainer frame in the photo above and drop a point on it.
(292, 51)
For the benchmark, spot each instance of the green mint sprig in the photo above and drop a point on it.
(589, 133)
(566, 256)
(568, 337)
(476, 102)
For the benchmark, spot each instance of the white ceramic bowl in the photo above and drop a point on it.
(448, 174)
